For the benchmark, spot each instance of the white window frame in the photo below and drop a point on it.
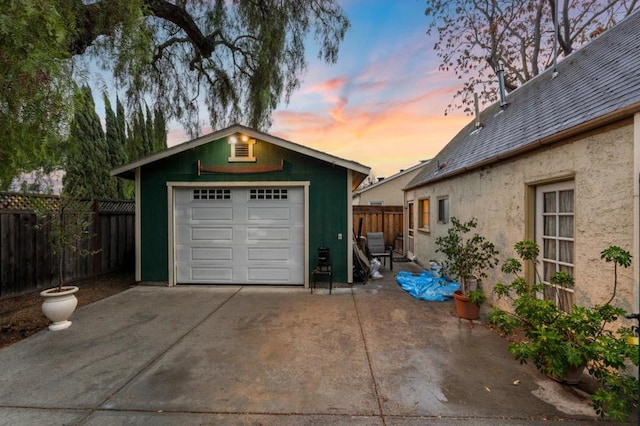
(556, 239)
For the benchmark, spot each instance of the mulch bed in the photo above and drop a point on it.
(21, 316)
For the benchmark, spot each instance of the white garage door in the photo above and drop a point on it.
(239, 235)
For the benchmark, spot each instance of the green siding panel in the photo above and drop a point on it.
(327, 199)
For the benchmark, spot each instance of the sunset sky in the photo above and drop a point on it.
(383, 103)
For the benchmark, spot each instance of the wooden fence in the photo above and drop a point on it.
(26, 261)
(386, 219)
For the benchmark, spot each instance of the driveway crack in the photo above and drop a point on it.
(366, 350)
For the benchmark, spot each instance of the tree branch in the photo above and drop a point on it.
(178, 16)
(97, 19)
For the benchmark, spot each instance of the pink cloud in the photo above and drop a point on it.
(385, 140)
(323, 86)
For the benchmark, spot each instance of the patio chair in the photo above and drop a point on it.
(376, 248)
(323, 267)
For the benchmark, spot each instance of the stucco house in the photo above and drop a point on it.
(387, 191)
(239, 206)
(559, 163)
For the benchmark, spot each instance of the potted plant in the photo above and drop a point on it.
(67, 224)
(468, 255)
(561, 344)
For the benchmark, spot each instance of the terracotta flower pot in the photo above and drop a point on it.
(59, 305)
(464, 308)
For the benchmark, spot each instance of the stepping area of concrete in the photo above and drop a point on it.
(364, 355)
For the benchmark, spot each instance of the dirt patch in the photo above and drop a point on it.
(21, 316)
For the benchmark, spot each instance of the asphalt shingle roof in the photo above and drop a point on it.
(599, 80)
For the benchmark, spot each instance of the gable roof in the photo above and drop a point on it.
(596, 85)
(392, 177)
(127, 170)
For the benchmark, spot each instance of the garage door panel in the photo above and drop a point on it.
(206, 253)
(269, 254)
(269, 213)
(268, 234)
(223, 235)
(269, 275)
(203, 274)
(212, 213)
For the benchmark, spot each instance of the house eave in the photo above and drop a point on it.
(604, 120)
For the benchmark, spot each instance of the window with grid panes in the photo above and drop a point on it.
(555, 210)
(268, 194)
(211, 194)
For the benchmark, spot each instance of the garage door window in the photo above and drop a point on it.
(211, 194)
(268, 194)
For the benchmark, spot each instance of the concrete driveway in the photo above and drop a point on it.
(367, 355)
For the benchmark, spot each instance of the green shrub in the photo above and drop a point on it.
(556, 340)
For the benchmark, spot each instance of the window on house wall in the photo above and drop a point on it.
(443, 209)
(376, 203)
(241, 148)
(555, 237)
(423, 215)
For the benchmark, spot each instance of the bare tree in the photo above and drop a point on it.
(473, 36)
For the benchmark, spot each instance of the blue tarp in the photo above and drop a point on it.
(424, 286)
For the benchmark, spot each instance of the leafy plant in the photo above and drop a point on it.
(477, 297)
(557, 340)
(468, 255)
(618, 256)
(68, 222)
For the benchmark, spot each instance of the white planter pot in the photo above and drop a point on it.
(59, 305)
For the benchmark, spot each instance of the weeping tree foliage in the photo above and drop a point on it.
(159, 130)
(238, 58)
(474, 36)
(36, 90)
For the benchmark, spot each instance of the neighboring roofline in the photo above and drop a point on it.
(392, 177)
(238, 128)
(611, 118)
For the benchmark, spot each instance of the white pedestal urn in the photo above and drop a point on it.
(59, 305)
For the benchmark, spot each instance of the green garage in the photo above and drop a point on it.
(239, 206)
